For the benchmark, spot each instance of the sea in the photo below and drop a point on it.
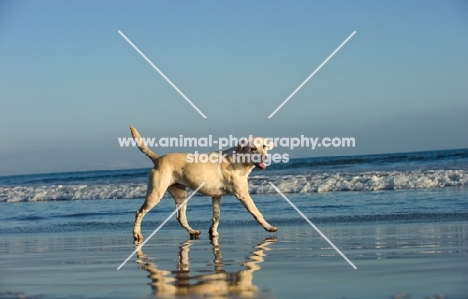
(415, 186)
(400, 218)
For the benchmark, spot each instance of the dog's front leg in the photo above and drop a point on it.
(216, 212)
(249, 204)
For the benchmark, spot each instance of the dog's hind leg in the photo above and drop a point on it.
(216, 211)
(157, 185)
(179, 193)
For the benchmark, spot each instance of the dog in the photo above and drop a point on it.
(223, 173)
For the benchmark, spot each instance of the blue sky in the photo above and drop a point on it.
(71, 85)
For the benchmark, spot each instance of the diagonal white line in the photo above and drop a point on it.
(311, 75)
(161, 73)
(310, 222)
(161, 225)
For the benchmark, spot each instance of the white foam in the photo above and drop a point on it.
(299, 183)
(365, 181)
(71, 192)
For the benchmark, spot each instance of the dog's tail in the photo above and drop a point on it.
(142, 145)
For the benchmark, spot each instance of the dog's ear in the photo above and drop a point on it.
(243, 146)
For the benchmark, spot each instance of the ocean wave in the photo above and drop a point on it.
(71, 192)
(365, 181)
(258, 184)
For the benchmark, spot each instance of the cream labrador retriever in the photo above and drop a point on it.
(223, 173)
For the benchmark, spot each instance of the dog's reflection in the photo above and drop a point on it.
(218, 283)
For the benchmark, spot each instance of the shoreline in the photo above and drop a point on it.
(419, 259)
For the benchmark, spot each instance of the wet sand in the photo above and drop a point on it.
(404, 260)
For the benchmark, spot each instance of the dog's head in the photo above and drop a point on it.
(254, 151)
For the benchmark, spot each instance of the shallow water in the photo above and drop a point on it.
(404, 259)
(342, 208)
(409, 243)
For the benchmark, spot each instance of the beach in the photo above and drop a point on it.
(76, 255)
(401, 219)
(327, 135)
(402, 261)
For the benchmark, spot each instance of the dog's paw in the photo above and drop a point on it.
(194, 234)
(213, 233)
(271, 229)
(137, 237)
